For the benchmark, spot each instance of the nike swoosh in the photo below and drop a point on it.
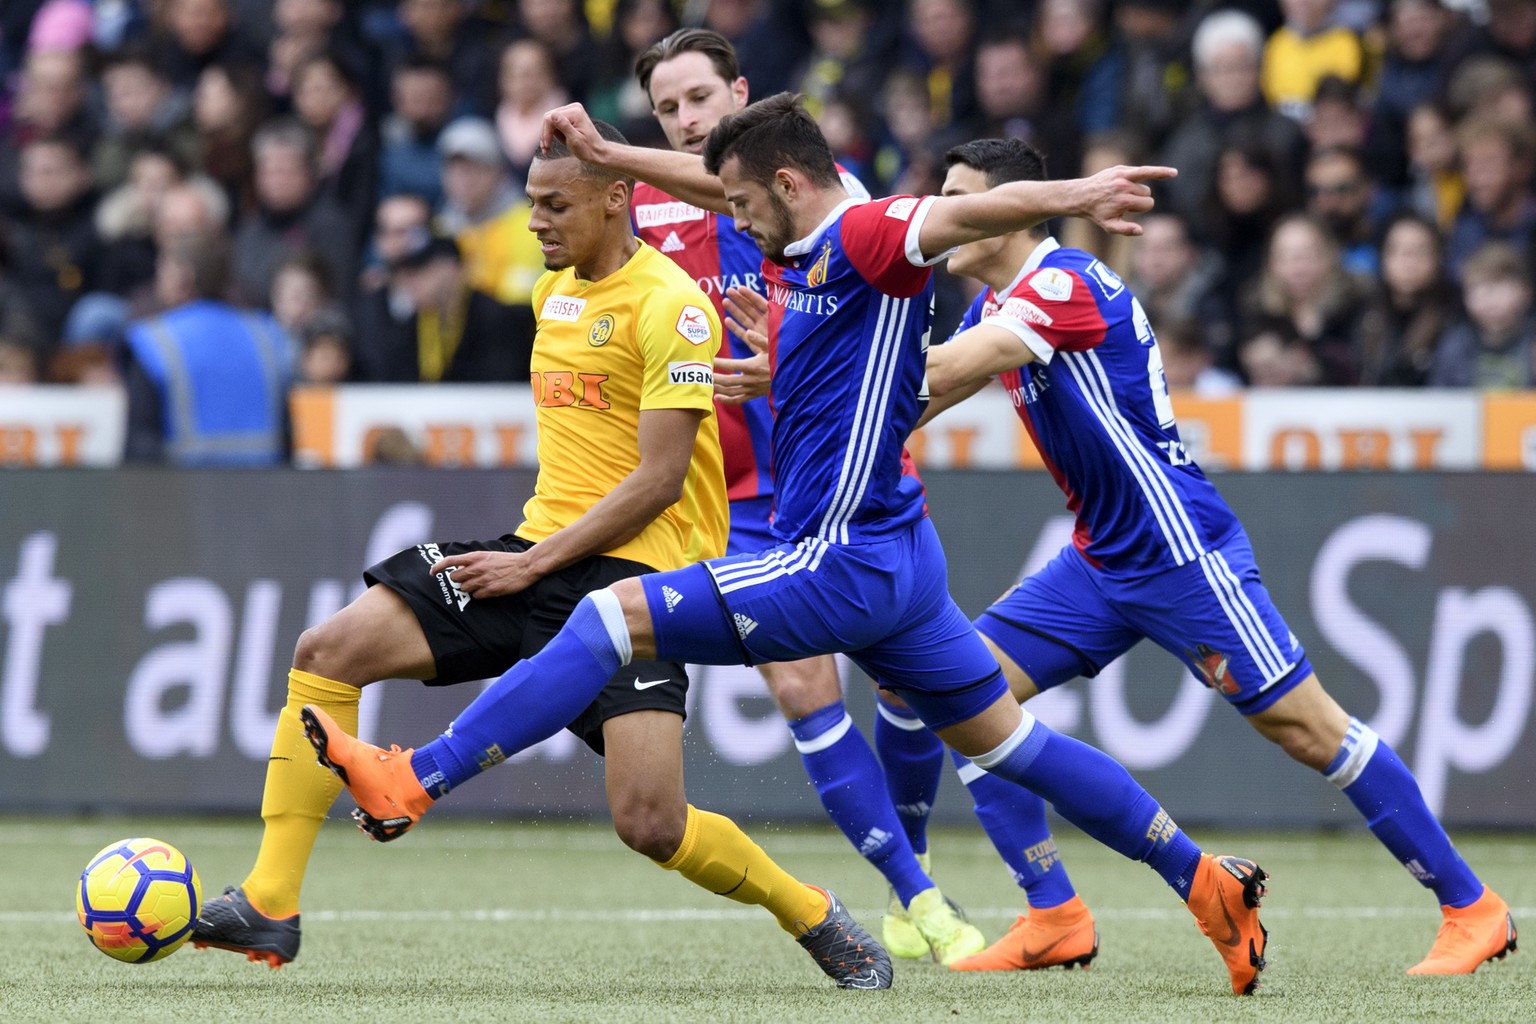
(275, 757)
(639, 685)
(1232, 937)
(863, 979)
(140, 856)
(1029, 956)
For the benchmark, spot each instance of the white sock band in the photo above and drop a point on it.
(1360, 742)
(612, 611)
(1000, 753)
(970, 772)
(904, 722)
(826, 739)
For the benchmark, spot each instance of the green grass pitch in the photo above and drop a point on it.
(519, 923)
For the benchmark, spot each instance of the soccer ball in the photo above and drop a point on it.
(138, 900)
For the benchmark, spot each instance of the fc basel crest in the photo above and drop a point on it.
(817, 275)
(601, 331)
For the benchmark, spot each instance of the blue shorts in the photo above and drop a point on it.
(749, 526)
(884, 603)
(1213, 614)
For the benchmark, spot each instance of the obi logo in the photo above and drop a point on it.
(817, 275)
(601, 331)
(691, 373)
(562, 307)
(693, 324)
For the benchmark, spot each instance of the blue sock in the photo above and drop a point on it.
(912, 757)
(1014, 819)
(1094, 792)
(846, 775)
(532, 700)
(1384, 791)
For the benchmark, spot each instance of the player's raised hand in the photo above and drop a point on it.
(738, 381)
(572, 125)
(746, 316)
(1115, 193)
(485, 574)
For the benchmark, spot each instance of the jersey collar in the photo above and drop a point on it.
(804, 245)
(1037, 256)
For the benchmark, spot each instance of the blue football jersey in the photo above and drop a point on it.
(849, 318)
(1097, 406)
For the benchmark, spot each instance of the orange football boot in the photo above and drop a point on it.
(1470, 936)
(1062, 936)
(390, 799)
(1225, 900)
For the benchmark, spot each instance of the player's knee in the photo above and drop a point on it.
(801, 688)
(648, 831)
(318, 651)
(1304, 743)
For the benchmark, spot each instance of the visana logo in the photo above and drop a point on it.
(691, 373)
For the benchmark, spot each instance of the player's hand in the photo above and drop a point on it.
(572, 125)
(485, 574)
(1110, 196)
(738, 381)
(746, 316)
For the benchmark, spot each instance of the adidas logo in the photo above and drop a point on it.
(744, 625)
(672, 243)
(672, 597)
(876, 838)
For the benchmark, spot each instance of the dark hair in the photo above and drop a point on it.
(721, 54)
(770, 134)
(558, 150)
(1001, 160)
(206, 255)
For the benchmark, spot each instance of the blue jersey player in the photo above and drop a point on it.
(858, 567)
(693, 79)
(1156, 554)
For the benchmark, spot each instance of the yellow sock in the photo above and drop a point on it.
(298, 794)
(718, 856)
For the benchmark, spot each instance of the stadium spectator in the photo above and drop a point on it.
(457, 334)
(1497, 161)
(1189, 365)
(1309, 47)
(1410, 308)
(207, 382)
(617, 98)
(528, 85)
(325, 348)
(845, 58)
(561, 26)
(1273, 357)
(126, 216)
(941, 48)
(141, 111)
(1489, 86)
(55, 252)
(1413, 70)
(439, 31)
(289, 214)
(1158, 84)
(1304, 288)
(327, 99)
(1436, 188)
(1337, 117)
(189, 35)
(1086, 72)
(1494, 347)
(422, 101)
(1508, 32)
(1014, 100)
(487, 213)
(303, 29)
(301, 287)
(1175, 279)
(228, 105)
(383, 312)
(18, 362)
(1227, 48)
(1342, 195)
(50, 103)
(769, 45)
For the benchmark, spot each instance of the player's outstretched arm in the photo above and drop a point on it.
(666, 439)
(973, 357)
(680, 175)
(1108, 199)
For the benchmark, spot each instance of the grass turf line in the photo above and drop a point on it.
(521, 923)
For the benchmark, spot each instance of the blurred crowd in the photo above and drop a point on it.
(332, 191)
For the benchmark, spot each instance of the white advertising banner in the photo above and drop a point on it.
(62, 426)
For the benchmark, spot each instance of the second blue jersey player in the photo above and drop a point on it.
(1156, 554)
(858, 567)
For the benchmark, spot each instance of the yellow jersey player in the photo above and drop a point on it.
(630, 482)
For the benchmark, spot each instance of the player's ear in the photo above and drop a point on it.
(785, 182)
(618, 196)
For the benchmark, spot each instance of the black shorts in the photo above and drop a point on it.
(473, 639)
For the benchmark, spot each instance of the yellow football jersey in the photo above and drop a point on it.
(643, 337)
